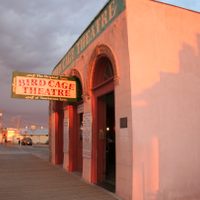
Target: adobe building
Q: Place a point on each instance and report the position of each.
(135, 127)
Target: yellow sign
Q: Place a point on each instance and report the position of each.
(43, 87)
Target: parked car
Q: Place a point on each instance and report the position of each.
(26, 141)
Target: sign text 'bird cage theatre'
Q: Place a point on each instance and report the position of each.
(43, 87)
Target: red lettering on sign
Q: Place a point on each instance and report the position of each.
(51, 83)
(48, 92)
(53, 91)
(40, 90)
(57, 84)
(25, 90)
(21, 82)
(71, 86)
(42, 82)
(34, 82)
(64, 85)
(67, 93)
(60, 93)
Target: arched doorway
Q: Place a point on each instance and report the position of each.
(103, 144)
(68, 141)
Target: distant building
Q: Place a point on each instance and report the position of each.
(134, 128)
(2, 135)
(12, 134)
(9, 135)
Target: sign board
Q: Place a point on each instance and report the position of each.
(43, 87)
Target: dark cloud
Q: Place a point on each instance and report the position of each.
(34, 35)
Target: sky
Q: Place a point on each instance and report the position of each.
(34, 36)
(189, 4)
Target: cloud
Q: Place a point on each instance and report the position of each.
(34, 35)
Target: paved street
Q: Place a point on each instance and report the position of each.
(26, 174)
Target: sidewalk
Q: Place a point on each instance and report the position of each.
(26, 177)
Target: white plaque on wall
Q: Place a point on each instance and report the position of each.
(87, 135)
(66, 132)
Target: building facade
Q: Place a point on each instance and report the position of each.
(134, 128)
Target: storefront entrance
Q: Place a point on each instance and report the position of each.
(104, 165)
(106, 142)
(79, 144)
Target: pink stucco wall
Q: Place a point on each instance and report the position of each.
(164, 49)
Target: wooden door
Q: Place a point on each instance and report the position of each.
(79, 142)
(101, 139)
